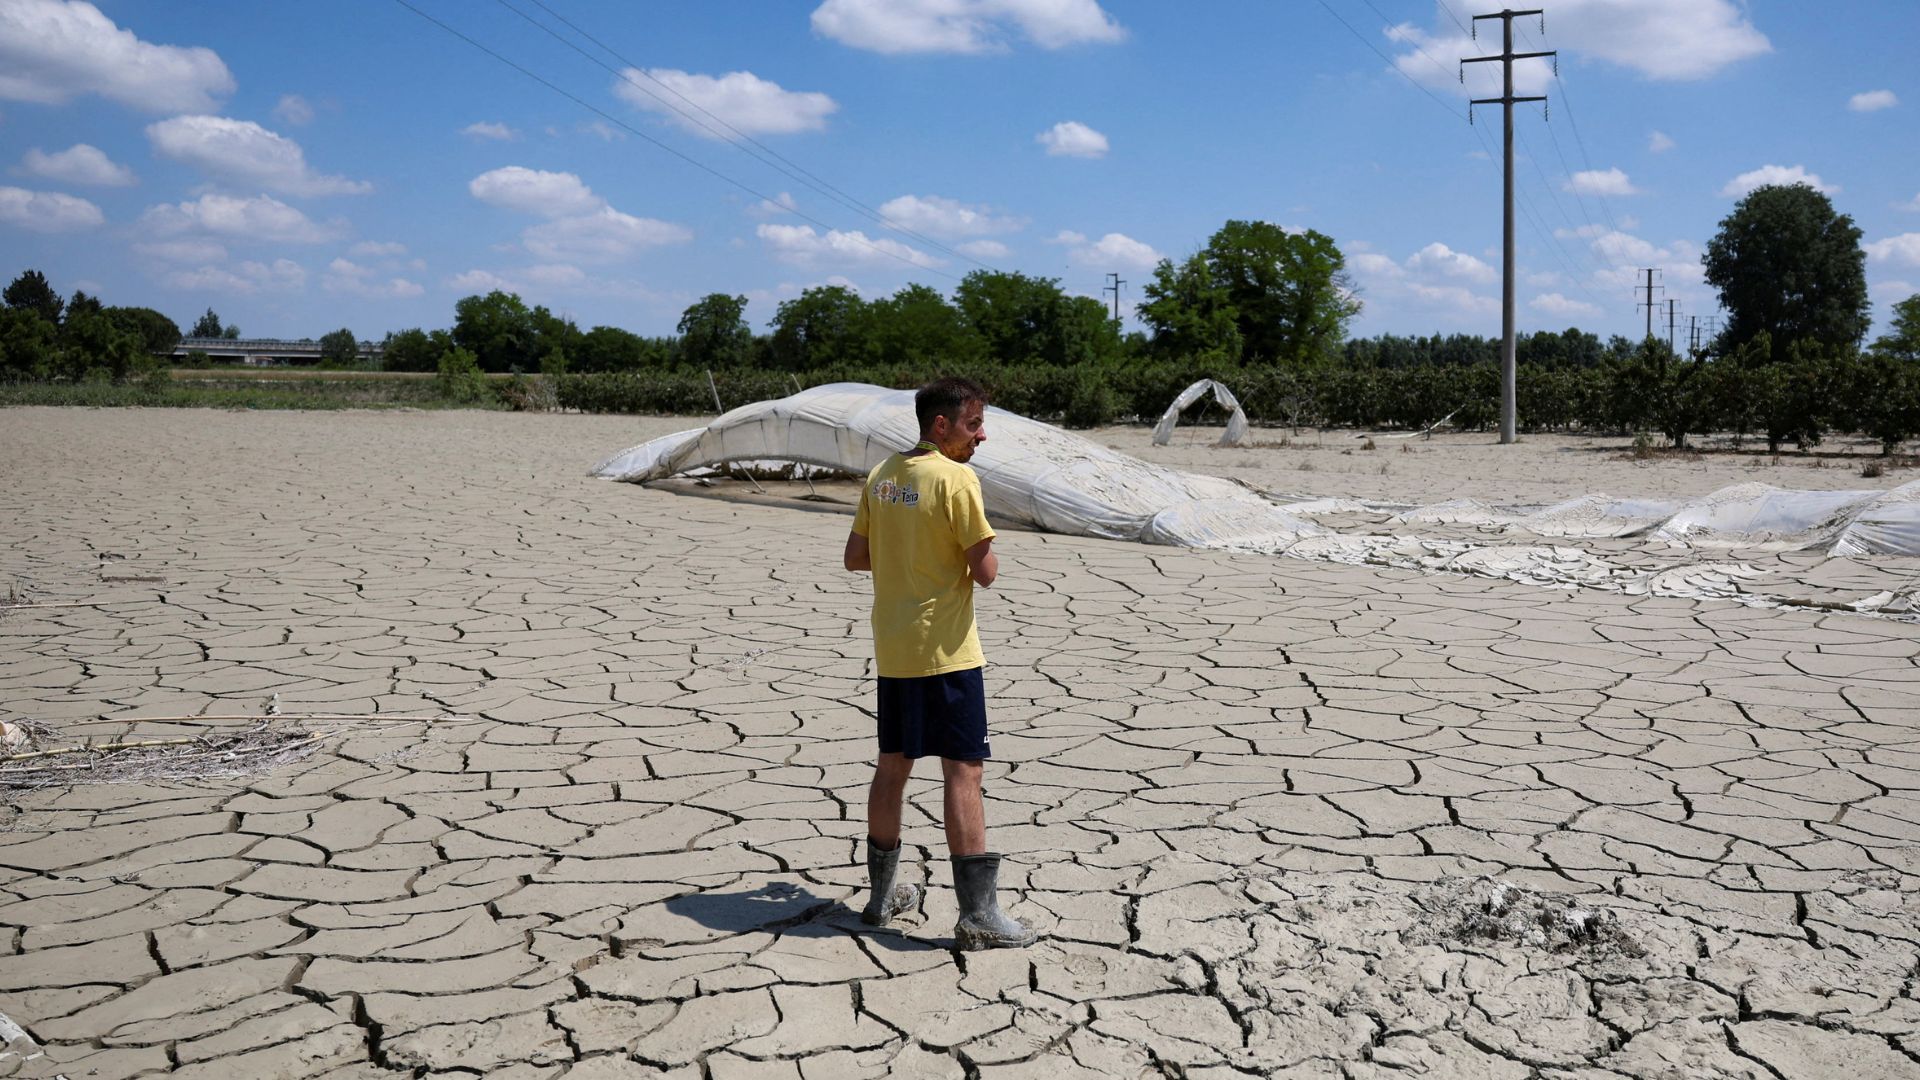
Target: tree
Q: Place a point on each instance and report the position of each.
(1190, 314)
(1288, 292)
(414, 350)
(206, 326)
(552, 334)
(80, 303)
(92, 345)
(26, 344)
(1023, 319)
(714, 332)
(459, 377)
(822, 327)
(609, 348)
(340, 348)
(1902, 339)
(498, 330)
(231, 332)
(1785, 262)
(917, 327)
(30, 290)
(158, 334)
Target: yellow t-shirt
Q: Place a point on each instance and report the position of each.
(920, 514)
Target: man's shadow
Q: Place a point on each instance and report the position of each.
(790, 910)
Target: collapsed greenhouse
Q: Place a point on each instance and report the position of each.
(1037, 475)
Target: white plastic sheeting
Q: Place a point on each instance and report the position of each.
(1038, 475)
(1030, 473)
(1236, 433)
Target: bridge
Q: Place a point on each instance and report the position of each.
(264, 351)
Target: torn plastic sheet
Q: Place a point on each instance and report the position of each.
(1037, 475)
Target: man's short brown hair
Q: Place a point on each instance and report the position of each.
(946, 397)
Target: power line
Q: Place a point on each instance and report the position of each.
(1457, 114)
(630, 129)
(778, 162)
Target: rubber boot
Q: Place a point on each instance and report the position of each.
(888, 899)
(982, 925)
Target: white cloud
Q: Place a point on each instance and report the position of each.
(184, 250)
(51, 51)
(801, 246)
(1555, 304)
(581, 226)
(1659, 142)
(963, 26)
(243, 150)
(1740, 185)
(1902, 250)
(487, 129)
(1910, 204)
(557, 280)
(282, 275)
(1872, 101)
(376, 249)
(533, 191)
(262, 218)
(1655, 38)
(293, 109)
(782, 203)
(1071, 138)
(47, 211)
(602, 130)
(1461, 300)
(1439, 259)
(605, 235)
(77, 164)
(481, 281)
(1374, 264)
(936, 215)
(1114, 251)
(353, 279)
(743, 100)
(985, 249)
(1600, 182)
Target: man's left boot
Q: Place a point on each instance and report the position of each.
(888, 898)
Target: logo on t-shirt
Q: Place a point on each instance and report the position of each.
(887, 491)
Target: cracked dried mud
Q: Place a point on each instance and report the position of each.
(1271, 817)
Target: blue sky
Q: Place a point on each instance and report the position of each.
(301, 167)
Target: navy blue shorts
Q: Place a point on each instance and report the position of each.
(935, 716)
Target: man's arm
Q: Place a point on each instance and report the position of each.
(858, 556)
(982, 564)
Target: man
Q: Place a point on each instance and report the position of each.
(922, 531)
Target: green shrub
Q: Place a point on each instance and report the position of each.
(460, 379)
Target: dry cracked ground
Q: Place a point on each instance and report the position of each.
(1273, 818)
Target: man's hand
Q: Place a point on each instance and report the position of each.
(858, 556)
(982, 564)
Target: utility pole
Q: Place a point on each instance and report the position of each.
(1507, 101)
(1672, 306)
(1693, 335)
(1115, 290)
(1648, 302)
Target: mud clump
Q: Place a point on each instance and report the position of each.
(1489, 910)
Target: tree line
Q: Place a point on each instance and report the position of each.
(1261, 308)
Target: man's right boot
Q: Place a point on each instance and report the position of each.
(982, 925)
(888, 899)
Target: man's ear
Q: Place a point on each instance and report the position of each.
(940, 427)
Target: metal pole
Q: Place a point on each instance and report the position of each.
(1506, 101)
(1507, 365)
